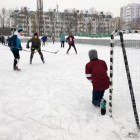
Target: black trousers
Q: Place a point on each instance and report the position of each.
(3, 42)
(40, 53)
(73, 47)
(43, 44)
(16, 57)
(62, 44)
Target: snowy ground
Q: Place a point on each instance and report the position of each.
(52, 101)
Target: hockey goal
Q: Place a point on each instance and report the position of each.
(124, 98)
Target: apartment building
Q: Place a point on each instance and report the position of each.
(130, 15)
(55, 23)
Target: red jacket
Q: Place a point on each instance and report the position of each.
(96, 72)
(70, 40)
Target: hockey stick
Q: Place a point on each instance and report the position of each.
(25, 50)
(51, 52)
(43, 51)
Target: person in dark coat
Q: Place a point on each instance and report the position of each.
(70, 40)
(36, 46)
(3, 40)
(96, 73)
(53, 39)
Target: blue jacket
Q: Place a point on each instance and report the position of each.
(62, 38)
(15, 40)
(44, 39)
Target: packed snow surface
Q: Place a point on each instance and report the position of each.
(52, 101)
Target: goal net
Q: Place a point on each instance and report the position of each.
(124, 104)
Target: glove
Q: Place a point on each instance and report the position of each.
(27, 46)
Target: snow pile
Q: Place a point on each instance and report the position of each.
(77, 37)
(52, 101)
(131, 36)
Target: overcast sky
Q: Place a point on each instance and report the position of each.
(100, 5)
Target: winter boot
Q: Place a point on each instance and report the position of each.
(103, 106)
(43, 61)
(16, 68)
(30, 61)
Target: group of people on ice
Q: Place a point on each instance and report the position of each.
(95, 70)
(4, 40)
(44, 40)
(15, 45)
(69, 39)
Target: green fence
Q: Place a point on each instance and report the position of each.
(97, 34)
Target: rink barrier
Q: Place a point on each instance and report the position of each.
(99, 42)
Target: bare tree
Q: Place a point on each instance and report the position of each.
(40, 21)
(81, 21)
(93, 19)
(3, 17)
(108, 20)
(52, 22)
(75, 19)
(69, 20)
(25, 19)
(34, 23)
(5, 21)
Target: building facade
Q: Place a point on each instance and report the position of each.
(130, 15)
(55, 23)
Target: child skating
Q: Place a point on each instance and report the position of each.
(15, 46)
(36, 46)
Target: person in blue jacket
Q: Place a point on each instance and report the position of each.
(44, 40)
(62, 39)
(15, 47)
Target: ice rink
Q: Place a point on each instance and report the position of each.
(52, 101)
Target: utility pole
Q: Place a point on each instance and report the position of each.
(40, 17)
(57, 7)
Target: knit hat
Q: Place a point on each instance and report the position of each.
(20, 30)
(35, 34)
(93, 54)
